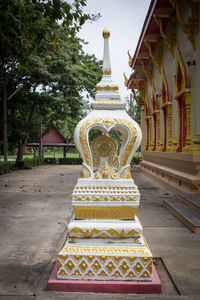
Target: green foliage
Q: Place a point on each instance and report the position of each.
(44, 70)
(32, 162)
(133, 108)
(136, 160)
(5, 167)
(70, 161)
(28, 162)
(50, 160)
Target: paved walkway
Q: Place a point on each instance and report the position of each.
(35, 207)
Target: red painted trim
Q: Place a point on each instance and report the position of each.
(147, 123)
(144, 30)
(180, 105)
(122, 287)
(164, 149)
(155, 129)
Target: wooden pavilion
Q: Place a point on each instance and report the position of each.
(53, 138)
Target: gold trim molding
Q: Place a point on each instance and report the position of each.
(105, 212)
(106, 72)
(99, 88)
(105, 233)
(157, 59)
(169, 39)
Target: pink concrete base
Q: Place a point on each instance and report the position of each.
(123, 287)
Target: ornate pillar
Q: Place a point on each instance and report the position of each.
(169, 115)
(150, 134)
(158, 130)
(146, 135)
(187, 147)
(105, 240)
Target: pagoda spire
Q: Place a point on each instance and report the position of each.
(106, 55)
(107, 93)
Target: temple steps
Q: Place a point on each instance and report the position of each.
(191, 200)
(187, 209)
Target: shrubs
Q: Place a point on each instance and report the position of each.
(136, 160)
(28, 162)
(50, 160)
(5, 167)
(32, 162)
(70, 161)
(63, 161)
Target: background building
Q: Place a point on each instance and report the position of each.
(166, 72)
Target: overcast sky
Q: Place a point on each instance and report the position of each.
(125, 19)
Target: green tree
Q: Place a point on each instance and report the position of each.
(53, 88)
(133, 109)
(30, 34)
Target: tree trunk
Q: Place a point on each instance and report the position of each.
(21, 147)
(41, 147)
(5, 125)
(20, 151)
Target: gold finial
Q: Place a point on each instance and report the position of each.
(130, 58)
(125, 79)
(106, 33)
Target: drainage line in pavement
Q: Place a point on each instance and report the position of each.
(174, 284)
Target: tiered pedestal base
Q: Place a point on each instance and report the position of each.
(123, 287)
(107, 261)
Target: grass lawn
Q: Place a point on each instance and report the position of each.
(58, 154)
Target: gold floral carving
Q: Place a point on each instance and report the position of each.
(106, 249)
(106, 198)
(108, 122)
(104, 146)
(85, 173)
(95, 265)
(126, 174)
(105, 212)
(105, 172)
(107, 233)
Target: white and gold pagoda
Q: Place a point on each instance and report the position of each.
(104, 240)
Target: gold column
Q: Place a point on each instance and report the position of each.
(188, 122)
(158, 131)
(169, 127)
(146, 136)
(150, 129)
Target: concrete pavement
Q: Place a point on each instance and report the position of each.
(35, 207)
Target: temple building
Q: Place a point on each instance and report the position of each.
(166, 73)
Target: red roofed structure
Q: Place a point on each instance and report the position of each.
(52, 138)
